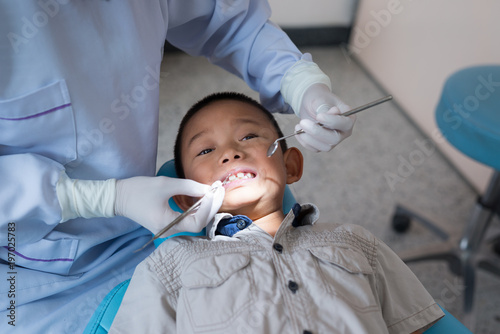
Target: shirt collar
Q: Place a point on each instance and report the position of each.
(299, 215)
(212, 226)
(231, 226)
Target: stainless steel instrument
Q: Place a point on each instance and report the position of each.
(274, 146)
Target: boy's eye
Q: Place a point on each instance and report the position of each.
(205, 151)
(249, 136)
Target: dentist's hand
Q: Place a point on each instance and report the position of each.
(308, 91)
(145, 200)
(321, 105)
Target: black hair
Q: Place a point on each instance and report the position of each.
(207, 101)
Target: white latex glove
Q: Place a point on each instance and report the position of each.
(145, 200)
(320, 105)
(308, 91)
(142, 199)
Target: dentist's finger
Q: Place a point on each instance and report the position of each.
(336, 122)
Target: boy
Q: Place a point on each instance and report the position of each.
(257, 270)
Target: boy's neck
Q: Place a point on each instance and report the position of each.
(271, 222)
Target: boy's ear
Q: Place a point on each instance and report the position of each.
(294, 163)
(184, 202)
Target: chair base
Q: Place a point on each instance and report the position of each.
(462, 254)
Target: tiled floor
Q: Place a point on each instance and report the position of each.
(360, 181)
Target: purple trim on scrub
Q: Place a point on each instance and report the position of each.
(32, 259)
(39, 114)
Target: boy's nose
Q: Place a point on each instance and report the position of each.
(231, 153)
(227, 158)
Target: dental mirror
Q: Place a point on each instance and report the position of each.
(274, 146)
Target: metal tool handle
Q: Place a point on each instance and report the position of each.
(366, 106)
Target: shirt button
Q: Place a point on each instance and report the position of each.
(293, 286)
(241, 224)
(278, 248)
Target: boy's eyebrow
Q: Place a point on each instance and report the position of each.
(199, 134)
(248, 120)
(239, 120)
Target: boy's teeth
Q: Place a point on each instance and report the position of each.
(238, 176)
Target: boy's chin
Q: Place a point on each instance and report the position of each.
(249, 207)
(239, 205)
(236, 208)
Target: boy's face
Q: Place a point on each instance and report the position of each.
(228, 141)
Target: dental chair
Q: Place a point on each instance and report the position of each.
(468, 115)
(103, 317)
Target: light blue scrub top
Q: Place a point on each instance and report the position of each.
(79, 91)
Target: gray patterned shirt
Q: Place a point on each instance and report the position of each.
(309, 278)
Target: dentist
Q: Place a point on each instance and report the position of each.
(79, 96)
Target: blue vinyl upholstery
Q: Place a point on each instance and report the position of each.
(468, 113)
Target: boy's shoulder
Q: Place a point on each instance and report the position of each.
(333, 241)
(311, 228)
(339, 233)
(350, 228)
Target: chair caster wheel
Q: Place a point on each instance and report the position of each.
(400, 222)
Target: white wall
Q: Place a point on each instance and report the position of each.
(312, 13)
(411, 47)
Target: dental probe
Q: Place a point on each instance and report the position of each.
(274, 146)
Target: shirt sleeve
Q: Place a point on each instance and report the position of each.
(147, 306)
(406, 304)
(28, 198)
(237, 36)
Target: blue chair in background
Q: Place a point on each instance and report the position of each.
(103, 317)
(468, 115)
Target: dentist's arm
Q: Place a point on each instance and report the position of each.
(258, 51)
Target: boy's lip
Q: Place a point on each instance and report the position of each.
(244, 170)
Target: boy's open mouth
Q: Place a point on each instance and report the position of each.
(237, 176)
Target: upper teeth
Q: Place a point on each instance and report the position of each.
(238, 176)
